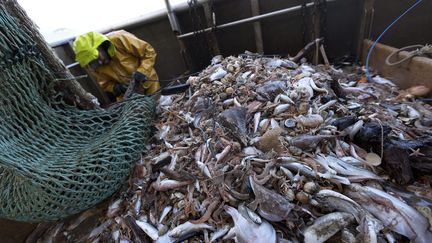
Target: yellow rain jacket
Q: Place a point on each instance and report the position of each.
(128, 54)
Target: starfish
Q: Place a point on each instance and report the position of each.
(416, 152)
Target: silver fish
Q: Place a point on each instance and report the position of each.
(393, 213)
(338, 201)
(281, 108)
(188, 227)
(369, 228)
(149, 229)
(346, 169)
(302, 168)
(326, 226)
(219, 233)
(257, 118)
(246, 231)
(272, 206)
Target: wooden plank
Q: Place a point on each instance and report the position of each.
(417, 71)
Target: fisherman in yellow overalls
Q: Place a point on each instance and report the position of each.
(115, 58)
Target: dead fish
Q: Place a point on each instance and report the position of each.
(97, 231)
(411, 112)
(264, 124)
(275, 63)
(338, 201)
(271, 89)
(346, 169)
(188, 227)
(272, 206)
(326, 105)
(149, 229)
(136, 199)
(304, 86)
(354, 129)
(334, 177)
(286, 99)
(50, 235)
(218, 74)
(302, 168)
(248, 214)
(257, 117)
(326, 226)
(347, 236)
(219, 233)
(222, 155)
(281, 108)
(313, 120)
(246, 231)
(274, 124)
(380, 80)
(168, 184)
(114, 208)
(369, 228)
(393, 213)
(164, 213)
(234, 120)
(305, 141)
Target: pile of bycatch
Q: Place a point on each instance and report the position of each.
(267, 150)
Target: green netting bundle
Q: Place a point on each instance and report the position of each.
(57, 160)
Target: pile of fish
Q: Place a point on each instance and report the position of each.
(267, 150)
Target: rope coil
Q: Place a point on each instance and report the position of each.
(419, 51)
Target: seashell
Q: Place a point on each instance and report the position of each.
(281, 108)
(373, 159)
(270, 141)
(229, 90)
(311, 187)
(290, 123)
(302, 197)
(313, 120)
(230, 68)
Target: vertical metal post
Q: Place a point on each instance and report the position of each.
(365, 24)
(175, 26)
(211, 22)
(257, 27)
(316, 17)
(172, 18)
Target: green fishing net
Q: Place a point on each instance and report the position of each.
(57, 160)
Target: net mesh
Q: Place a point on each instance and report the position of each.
(57, 160)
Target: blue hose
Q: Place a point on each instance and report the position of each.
(368, 75)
